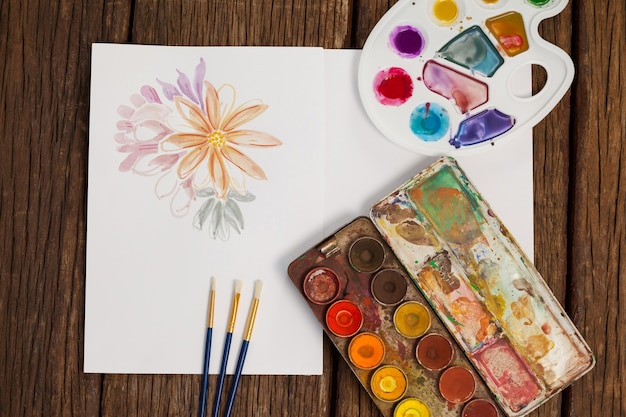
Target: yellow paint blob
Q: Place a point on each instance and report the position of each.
(445, 11)
(411, 407)
(388, 383)
(412, 319)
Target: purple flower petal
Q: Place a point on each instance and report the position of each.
(169, 90)
(199, 80)
(150, 94)
(185, 86)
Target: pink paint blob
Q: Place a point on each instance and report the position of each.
(509, 373)
(393, 86)
(464, 91)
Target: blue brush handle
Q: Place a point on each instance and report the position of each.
(233, 389)
(205, 370)
(220, 381)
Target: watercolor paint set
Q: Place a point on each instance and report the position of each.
(436, 309)
(441, 77)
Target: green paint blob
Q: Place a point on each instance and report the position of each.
(538, 2)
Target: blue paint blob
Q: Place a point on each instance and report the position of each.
(429, 122)
(407, 41)
(481, 127)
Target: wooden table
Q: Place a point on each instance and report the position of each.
(45, 46)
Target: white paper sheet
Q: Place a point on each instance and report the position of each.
(148, 271)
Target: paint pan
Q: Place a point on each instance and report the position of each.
(439, 76)
(321, 285)
(456, 304)
(389, 287)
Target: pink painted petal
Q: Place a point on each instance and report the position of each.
(151, 111)
(212, 105)
(125, 125)
(219, 175)
(137, 100)
(150, 94)
(241, 115)
(180, 203)
(151, 131)
(192, 114)
(125, 111)
(120, 137)
(243, 162)
(191, 160)
(152, 166)
(252, 138)
(179, 141)
(165, 185)
(128, 163)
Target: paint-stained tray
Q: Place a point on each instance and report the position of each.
(442, 77)
(434, 242)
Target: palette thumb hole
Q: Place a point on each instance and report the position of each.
(435, 307)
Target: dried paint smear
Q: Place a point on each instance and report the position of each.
(483, 286)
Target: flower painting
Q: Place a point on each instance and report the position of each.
(192, 137)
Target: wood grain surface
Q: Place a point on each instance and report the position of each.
(45, 47)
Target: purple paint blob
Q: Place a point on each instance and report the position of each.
(393, 86)
(407, 41)
(481, 127)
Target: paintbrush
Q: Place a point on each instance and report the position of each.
(244, 347)
(207, 348)
(229, 336)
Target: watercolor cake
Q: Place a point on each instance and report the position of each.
(441, 77)
(436, 309)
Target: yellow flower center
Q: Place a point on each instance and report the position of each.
(217, 139)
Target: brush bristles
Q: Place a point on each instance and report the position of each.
(213, 284)
(258, 286)
(238, 285)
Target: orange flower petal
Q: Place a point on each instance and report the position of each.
(241, 115)
(212, 105)
(219, 175)
(252, 138)
(191, 160)
(178, 141)
(243, 162)
(192, 114)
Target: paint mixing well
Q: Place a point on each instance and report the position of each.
(435, 308)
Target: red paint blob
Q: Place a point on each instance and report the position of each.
(344, 318)
(457, 384)
(393, 86)
(480, 408)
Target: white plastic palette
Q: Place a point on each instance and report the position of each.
(441, 77)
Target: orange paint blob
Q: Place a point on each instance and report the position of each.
(366, 350)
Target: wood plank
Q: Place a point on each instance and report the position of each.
(251, 23)
(597, 288)
(551, 181)
(44, 81)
